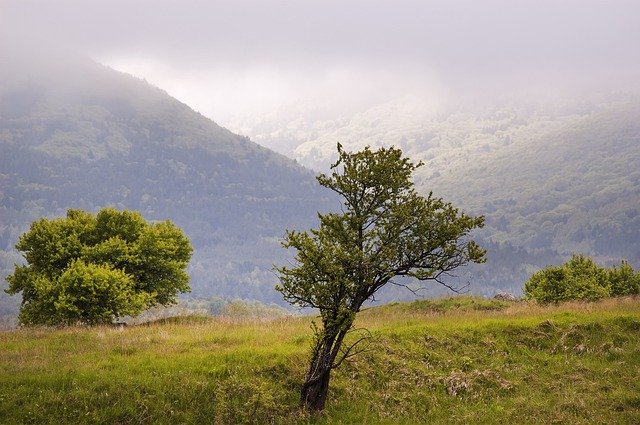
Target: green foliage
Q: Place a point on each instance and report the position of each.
(581, 279)
(623, 280)
(92, 269)
(386, 230)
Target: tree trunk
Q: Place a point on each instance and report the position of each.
(314, 392)
(316, 386)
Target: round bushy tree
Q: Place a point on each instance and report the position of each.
(581, 279)
(90, 269)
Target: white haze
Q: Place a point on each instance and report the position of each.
(240, 62)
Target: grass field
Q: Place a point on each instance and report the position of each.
(459, 360)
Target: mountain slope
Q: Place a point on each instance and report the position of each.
(555, 174)
(572, 186)
(75, 134)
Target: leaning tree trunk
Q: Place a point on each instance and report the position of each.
(314, 391)
(316, 386)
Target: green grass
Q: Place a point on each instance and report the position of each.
(461, 360)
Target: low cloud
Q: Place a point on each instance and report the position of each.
(253, 55)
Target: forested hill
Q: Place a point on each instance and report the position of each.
(568, 183)
(556, 173)
(75, 134)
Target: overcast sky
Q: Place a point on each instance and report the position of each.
(240, 57)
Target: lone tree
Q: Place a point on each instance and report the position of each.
(385, 230)
(86, 269)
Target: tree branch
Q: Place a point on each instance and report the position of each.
(346, 354)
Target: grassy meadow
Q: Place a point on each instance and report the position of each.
(456, 360)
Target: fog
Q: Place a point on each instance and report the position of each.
(239, 59)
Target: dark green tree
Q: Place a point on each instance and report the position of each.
(86, 269)
(385, 230)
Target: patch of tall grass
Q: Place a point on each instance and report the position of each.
(460, 360)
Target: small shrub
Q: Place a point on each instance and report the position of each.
(623, 280)
(581, 279)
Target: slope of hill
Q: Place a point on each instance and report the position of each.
(449, 361)
(560, 174)
(75, 134)
(572, 185)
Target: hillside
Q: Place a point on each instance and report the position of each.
(569, 184)
(459, 360)
(552, 178)
(554, 174)
(75, 134)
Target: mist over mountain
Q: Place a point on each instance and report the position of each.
(554, 173)
(76, 134)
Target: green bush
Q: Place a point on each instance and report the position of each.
(623, 280)
(581, 279)
(91, 269)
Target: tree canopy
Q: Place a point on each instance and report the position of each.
(93, 269)
(385, 230)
